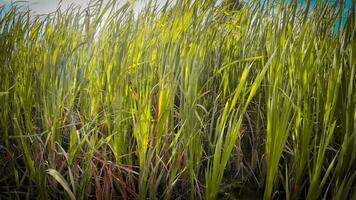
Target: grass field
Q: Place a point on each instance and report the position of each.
(185, 100)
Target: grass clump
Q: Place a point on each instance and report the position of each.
(183, 100)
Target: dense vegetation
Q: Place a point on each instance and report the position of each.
(185, 100)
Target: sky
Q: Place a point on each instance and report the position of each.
(47, 6)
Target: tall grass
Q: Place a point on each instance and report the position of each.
(184, 100)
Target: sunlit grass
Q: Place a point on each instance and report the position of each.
(184, 100)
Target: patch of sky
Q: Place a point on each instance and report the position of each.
(347, 4)
(48, 6)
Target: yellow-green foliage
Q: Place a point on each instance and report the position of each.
(183, 100)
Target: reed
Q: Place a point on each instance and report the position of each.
(188, 99)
